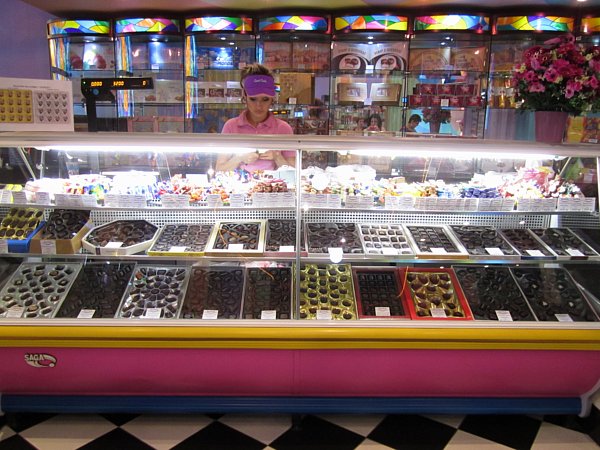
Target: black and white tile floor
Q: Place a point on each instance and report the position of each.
(320, 432)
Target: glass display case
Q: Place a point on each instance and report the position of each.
(84, 48)
(447, 79)
(369, 62)
(461, 271)
(296, 48)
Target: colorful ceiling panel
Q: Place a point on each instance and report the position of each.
(535, 23)
(590, 25)
(210, 24)
(298, 23)
(78, 27)
(147, 25)
(378, 22)
(452, 22)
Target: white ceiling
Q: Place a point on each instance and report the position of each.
(113, 8)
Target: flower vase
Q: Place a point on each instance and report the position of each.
(434, 126)
(550, 126)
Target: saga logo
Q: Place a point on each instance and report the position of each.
(40, 360)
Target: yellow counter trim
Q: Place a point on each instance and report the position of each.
(299, 338)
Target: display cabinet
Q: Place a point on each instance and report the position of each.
(293, 278)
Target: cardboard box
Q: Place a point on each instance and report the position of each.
(297, 86)
(63, 246)
(385, 93)
(351, 93)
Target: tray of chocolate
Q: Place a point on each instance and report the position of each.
(484, 242)
(181, 240)
(268, 293)
(327, 292)
(378, 293)
(493, 294)
(385, 239)
(240, 238)
(37, 289)
(154, 293)
(435, 242)
(565, 243)
(553, 295)
(434, 294)
(97, 291)
(281, 237)
(320, 237)
(64, 224)
(19, 225)
(121, 237)
(214, 293)
(527, 244)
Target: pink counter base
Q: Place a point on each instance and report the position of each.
(238, 372)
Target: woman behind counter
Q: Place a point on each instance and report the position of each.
(258, 94)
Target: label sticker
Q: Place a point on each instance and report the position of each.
(152, 313)
(3, 246)
(438, 250)
(176, 249)
(19, 197)
(534, 253)
(236, 200)
(235, 247)
(495, 251)
(113, 245)
(270, 314)
(504, 316)
(438, 313)
(86, 314)
(48, 247)
(287, 248)
(15, 312)
(324, 314)
(574, 252)
(563, 317)
(336, 254)
(210, 314)
(382, 311)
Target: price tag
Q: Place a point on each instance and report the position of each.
(353, 201)
(19, 197)
(438, 250)
(113, 245)
(268, 315)
(89, 200)
(568, 204)
(496, 204)
(210, 314)
(42, 198)
(48, 246)
(112, 200)
(334, 201)
(525, 204)
(470, 204)
(589, 204)
(86, 314)
(324, 314)
(287, 249)
(382, 311)
(175, 201)
(389, 251)
(534, 253)
(260, 200)
(152, 313)
(438, 313)
(444, 102)
(406, 202)
(391, 202)
(6, 196)
(15, 312)
(288, 199)
(563, 317)
(236, 200)
(235, 247)
(336, 254)
(292, 100)
(214, 200)
(3, 246)
(366, 201)
(508, 204)
(495, 251)
(504, 316)
(574, 252)
(176, 249)
(133, 201)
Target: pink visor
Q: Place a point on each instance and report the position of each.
(259, 84)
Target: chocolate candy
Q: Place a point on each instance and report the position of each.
(191, 236)
(128, 232)
(327, 287)
(268, 289)
(492, 289)
(433, 240)
(20, 223)
(476, 239)
(564, 242)
(99, 287)
(281, 233)
(433, 290)
(37, 287)
(155, 292)
(378, 288)
(246, 234)
(214, 288)
(551, 292)
(64, 224)
(377, 237)
(322, 236)
(526, 244)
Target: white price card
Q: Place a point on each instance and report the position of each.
(438, 250)
(177, 249)
(175, 201)
(210, 314)
(494, 251)
(261, 200)
(438, 313)
(389, 251)
(334, 201)
(113, 244)
(288, 199)
(563, 317)
(48, 246)
(353, 201)
(6, 196)
(236, 200)
(366, 201)
(42, 198)
(152, 313)
(504, 316)
(320, 201)
(235, 247)
(3, 246)
(534, 253)
(19, 197)
(406, 202)
(270, 314)
(588, 204)
(133, 201)
(15, 312)
(214, 200)
(112, 200)
(392, 202)
(575, 252)
(89, 200)
(86, 314)
(382, 311)
(336, 254)
(287, 248)
(292, 100)
(444, 102)
(324, 314)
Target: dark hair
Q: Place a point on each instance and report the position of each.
(415, 118)
(377, 117)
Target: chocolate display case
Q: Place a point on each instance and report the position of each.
(321, 237)
(181, 240)
(120, 237)
(527, 244)
(484, 242)
(435, 242)
(385, 239)
(379, 293)
(244, 237)
(281, 238)
(268, 293)
(565, 244)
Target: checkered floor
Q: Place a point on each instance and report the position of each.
(280, 432)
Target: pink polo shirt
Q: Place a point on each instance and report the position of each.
(272, 125)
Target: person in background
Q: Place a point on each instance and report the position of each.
(412, 124)
(258, 94)
(375, 123)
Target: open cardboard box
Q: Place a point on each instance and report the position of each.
(63, 246)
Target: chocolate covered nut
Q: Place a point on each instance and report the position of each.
(322, 236)
(338, 297)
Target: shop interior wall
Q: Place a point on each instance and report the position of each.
(23, 42)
